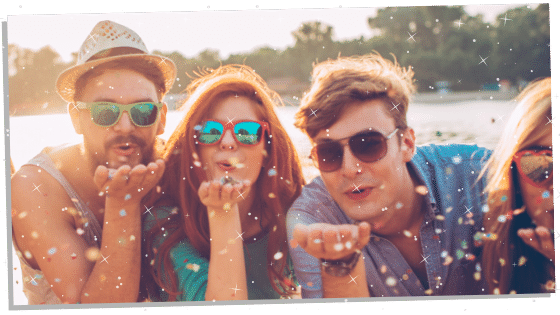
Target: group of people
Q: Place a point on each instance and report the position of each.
(221, 210)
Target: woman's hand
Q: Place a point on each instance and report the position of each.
(540, 238)
(219, 199)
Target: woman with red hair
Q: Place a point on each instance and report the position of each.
(218, 230)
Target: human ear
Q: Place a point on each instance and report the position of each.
(408, 144)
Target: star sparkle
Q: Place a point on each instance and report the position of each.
(483, 60)
(313, 112)
(505, 19)
(148, 210)
(353, 279)
(411, 36)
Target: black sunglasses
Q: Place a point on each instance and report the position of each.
(368, 146)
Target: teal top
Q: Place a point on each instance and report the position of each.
(192, 269)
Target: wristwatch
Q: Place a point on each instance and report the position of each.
(340, 268)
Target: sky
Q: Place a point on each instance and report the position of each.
(226, 29)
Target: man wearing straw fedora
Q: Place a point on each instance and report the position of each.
(76, 209)
(386, 217)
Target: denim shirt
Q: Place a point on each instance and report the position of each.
(450, 244)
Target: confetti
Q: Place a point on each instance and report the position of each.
(52, 251)
(80, 231)
(231, 241)
(73, 256)
(278, 255)
(502, 262)
(391, 282)
(28, 254)
(405, 277)
(272, 172)
(448, 170)
(227, 206)
(22, 215)
(383, 269)
(34, 235)
(440, 217)
(222, 252)
(457, 159)
(448, 260)
(485, 209)
(57, 280)
(310, 284)
(407, 233)
(429, 292)
(399, 205)
(271, 196)
(338, 247)
(522, 260)
(546, 194)
(448, 209)
(127, 197)
(502, 218)
(550, 285)
(132, 238)
(193, 267)
(477, 276)
(348, 245)
(92, 253)
(197, 163)
(496, 291)
(122, 213)
(422, 190)
(233, 161)
(438, 231)
(504, 198)
(459, 254)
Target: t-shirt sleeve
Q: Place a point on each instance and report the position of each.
(191, 270)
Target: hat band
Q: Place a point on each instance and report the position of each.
(117, 51)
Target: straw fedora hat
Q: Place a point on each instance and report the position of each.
(110, 41)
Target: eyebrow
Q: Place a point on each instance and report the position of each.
(328, 139)
(110, 100)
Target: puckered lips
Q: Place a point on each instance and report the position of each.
(226, 166)
(359, 193)
(124, 149)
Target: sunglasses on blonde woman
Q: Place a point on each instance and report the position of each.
(535, 166)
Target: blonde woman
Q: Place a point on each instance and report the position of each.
(518, 255)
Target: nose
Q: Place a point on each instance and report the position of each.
(124, 124)
(350, 164)
(228, 141)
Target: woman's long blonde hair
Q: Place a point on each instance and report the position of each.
(528, 123)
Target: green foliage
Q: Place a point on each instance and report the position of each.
(440, 43)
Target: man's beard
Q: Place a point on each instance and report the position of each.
(98, 158)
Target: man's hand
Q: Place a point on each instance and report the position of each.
(128, 184)
(221, 198)
(332, 242)
(540, 238)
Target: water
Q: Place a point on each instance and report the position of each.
(465, 122)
